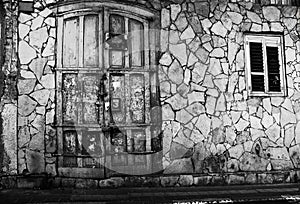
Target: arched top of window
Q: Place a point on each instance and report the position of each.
(123, 8)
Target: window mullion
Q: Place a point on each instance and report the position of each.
(281, 70)
(127, 64)
(146, 47)
(266, 84)
(100, 41)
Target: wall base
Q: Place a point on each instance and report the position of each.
(44, 181)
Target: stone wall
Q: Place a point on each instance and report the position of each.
(36, 88)
(211, 125)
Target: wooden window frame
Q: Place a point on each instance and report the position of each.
(265, 39)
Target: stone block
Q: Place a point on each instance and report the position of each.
(202, 180)
(169, 181)
(186, 180)
(35, 161)
(235, 179)
(251, 178)
(180, 166)
(112, 182)
(86, 183)
(26, 52)
(68, 182)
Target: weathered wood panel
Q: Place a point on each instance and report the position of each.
(136, 42)
(69, 96)
(71, 42)
(90, 91)
(91, 50)
(117, 104)
(137, 98)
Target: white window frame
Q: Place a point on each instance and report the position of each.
(273, 40)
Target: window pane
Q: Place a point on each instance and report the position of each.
(116, 58)
(91, 143)
(117, 30)
(273, 69)
(91, 40)
(139, 138)
(257, 82)
(136, 42)
(69, 95)
(137, 100)
(70, 49)
(90, 90)
(70, 148)
(256, 57)
(117, 88)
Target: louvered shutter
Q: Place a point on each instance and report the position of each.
(273, 69)
(257, 67)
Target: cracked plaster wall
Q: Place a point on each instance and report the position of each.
(210, 124)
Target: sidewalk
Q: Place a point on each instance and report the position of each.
(276, 193)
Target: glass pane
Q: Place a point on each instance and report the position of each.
(116, 58)
(70, 148)
(69, 98)
(136, 42)
(117, 25)
(117, 104)
(70, 41)
(257, 82)
(70, 142)
(116, 30)
(118, 138)
(90, 90)
(139, 137)
(137, 98)
(91, 143)
(91, 40)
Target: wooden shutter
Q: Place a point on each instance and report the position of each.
(257, 66)
(273, 69)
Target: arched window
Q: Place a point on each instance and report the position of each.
(108, 112)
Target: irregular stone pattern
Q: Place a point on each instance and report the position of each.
(229, 131)
(36, 136)
(210, 124)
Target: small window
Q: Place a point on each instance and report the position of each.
(265, 67)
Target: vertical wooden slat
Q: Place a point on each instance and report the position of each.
(60, 25)
(146, 46)
(106, 32)
(79, 138)
(101, 40)
(126, 38)
(137, 98)
(81, 39)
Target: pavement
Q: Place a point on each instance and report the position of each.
(271, 193)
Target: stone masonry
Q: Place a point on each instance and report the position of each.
(210, 123)
(211, 126)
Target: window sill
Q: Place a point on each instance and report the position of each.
(262, 94)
